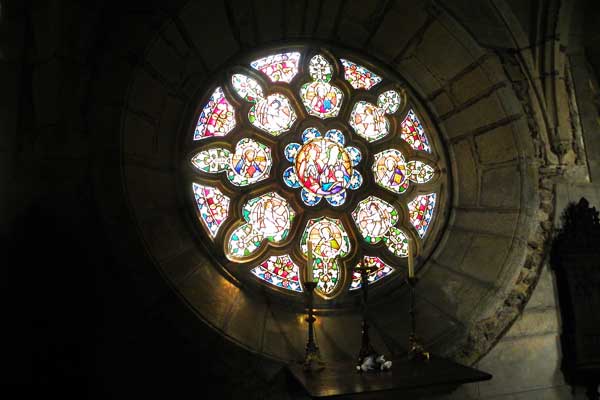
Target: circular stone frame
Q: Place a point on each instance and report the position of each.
(238, 273)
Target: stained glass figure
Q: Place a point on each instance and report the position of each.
(397, 242)
(267, 217)
(278, 67)
(213, 206)
(322, 167)
(279, 271)
(413, 133)
(320, 98)
(217, 117)
(420, 211)
(391, 171)
(358, 76)
(273, 114)
(250, 163)
(374, 218)
(369, 121)
(382, 271)
(329, 242)
(419, 172)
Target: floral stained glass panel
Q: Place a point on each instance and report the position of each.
(358, 76)
(217, 117)
(420, 210)
(382, 271)
(413, 133)
(213, 206)
(278, 67)
(279, 271)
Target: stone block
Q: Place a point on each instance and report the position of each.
(147, 94)
(165, 235)
(139, 136)
(477, 116)
(168, 130)
(501, 187)
(285, 334)
(172, 35)
(497, 145)
(311, 16)
(269, 20)
(151, 192)
(113, 80)
(453, 250)
(181, 266)
(210, 294)
(442, 103)
(355, 21)
(392, 36)
(535, 323)
(486, 221)
(294, 11)
(246, 320)
(418, 76)
(166, 60)
(470, 85)
(456, 295)
(523, 364)
(328, 16)
(455, 56)
(544, 294)
(486, 257)
(202, 24)
(466, 173)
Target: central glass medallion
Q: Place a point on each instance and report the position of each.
(322, 167)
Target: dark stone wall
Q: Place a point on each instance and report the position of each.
(93, 93)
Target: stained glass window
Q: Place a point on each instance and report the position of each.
(358, 76)
(278, 67)
(273, 114)
(321, 149)
(266, 217)
(382, 271)
(391, 171)
(320, 98)
(280, 271)
(250, 163)
(420, 210)
(413, 133)
(217, 117)
(329, 241)
(213, 206)
(322, 167)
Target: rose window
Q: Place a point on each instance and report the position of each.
(312, 149)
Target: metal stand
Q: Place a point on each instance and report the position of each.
(416, 350)
(312, 358)
(365, 348)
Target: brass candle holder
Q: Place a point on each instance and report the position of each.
(312, 356)
(416, 350)
(366, 348)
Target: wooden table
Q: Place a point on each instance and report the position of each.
(438, 375)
